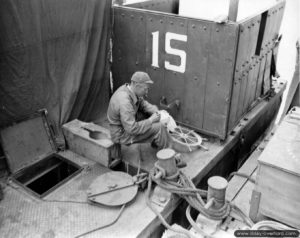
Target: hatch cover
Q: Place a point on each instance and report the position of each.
(27, 141)
(112, 189)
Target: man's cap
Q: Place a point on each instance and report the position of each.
(141, 77)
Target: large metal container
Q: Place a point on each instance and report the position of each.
(215, 71)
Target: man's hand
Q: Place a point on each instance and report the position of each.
(155, 117)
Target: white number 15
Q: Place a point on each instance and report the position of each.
(169, 50)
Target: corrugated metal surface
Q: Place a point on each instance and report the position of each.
(252, 70)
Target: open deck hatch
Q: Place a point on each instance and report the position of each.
(32, 156)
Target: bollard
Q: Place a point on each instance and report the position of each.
(166, 160)
(216, 189)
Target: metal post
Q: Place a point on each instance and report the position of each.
(166, 160)
(233, 10)
(216, 190)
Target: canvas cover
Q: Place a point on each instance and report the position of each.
(54, 55)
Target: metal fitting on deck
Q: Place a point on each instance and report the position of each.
(167, 162)
(216, 190)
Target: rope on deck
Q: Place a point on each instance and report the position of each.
(185, 188)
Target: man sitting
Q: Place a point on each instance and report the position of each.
(134, 120)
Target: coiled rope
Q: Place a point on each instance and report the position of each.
(183, 186)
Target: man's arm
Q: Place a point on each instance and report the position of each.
(131, 126)
(148, 107)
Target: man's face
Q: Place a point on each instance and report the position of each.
(142, 89)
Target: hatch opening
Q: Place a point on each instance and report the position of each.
(46, 175)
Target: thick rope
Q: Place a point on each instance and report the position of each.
(163, 221)
(186, 189)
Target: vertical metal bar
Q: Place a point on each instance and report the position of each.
(233, 10)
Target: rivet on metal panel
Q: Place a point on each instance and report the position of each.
(217, 30)
(258, 21)
(132, 16)
(193, 26)
(249, 27)
(218, 83)
(204, 28)
(181, 24)
(171, 22)
(161, 21)
(136, 62)
(253, 24)
(237, 70)
(123, 15)
(174, 73)
(150, 19)
(141, 18)
(195, 78)
(247, 61)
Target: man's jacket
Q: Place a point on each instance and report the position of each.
(122, 114)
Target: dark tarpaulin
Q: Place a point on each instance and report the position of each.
(54, 55)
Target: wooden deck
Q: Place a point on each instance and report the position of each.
(22, 215)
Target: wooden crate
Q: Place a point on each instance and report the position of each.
(278, 178)
(216, 71)
(103, 151)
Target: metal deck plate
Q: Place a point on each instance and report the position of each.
(109, 186)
